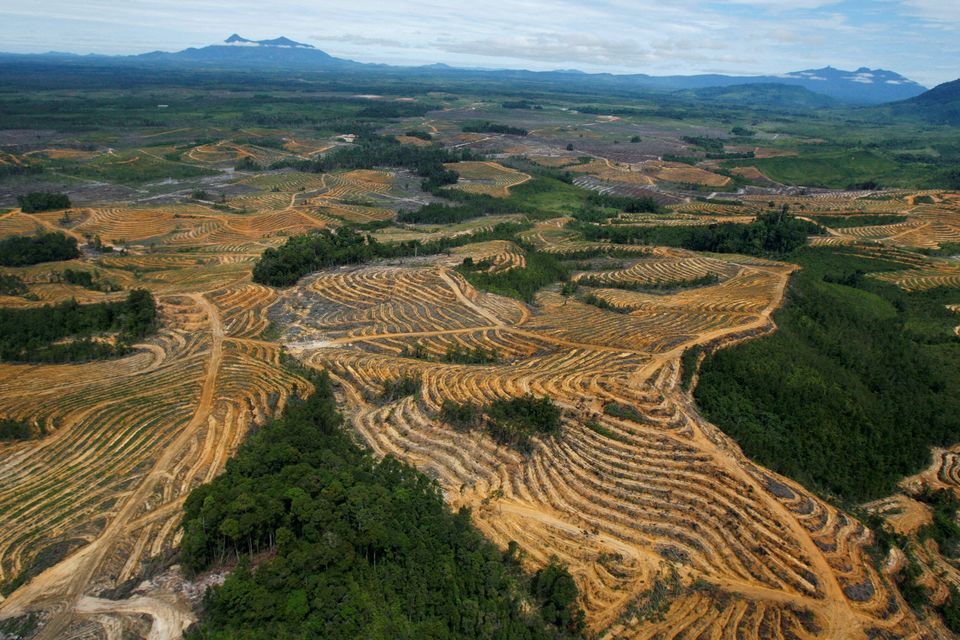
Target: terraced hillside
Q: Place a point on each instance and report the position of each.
(639, 493)
(669, 530)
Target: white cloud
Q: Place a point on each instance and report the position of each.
(622, 36)
(941, 11)
(786, 4)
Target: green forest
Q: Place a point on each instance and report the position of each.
(39, 334)
(330, 543)
(42, 201)
(372, 150)
(511, 422)
(773, 233)
(540, 270)
(302, 254)
(21, 251)
(14, 430)
(852, 390)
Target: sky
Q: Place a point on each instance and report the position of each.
(917, 38)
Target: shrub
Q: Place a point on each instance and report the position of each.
(14, 430)
(400, 388)
(11, 285)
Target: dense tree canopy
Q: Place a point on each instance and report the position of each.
(42, 201)
(773, 233)
(522, 283)
(62, 332)
(358, 548)
(853, 389)
(512, 422)
(14, 430)
(494, 127)
(12, 285)
(627, 204)
(20, 251)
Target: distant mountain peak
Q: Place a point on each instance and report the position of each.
(282, 41)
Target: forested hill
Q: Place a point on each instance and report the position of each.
(940, 105)
(852, 390)
(357, 548)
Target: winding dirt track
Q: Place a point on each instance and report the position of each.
(64, 585)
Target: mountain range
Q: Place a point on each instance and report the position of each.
(863, 86)
(940, 105)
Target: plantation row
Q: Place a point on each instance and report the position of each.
(181, 405)
(613, 497)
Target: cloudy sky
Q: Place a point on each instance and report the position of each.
(918, 38)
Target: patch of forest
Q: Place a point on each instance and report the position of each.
(12, 285)
(355, 548)
(66, 332)
(839, 222)
(302, 254)
(544, 196)
(650, 285)
(11, 429)
(493, 127)
(371, 151)
(852, 390)
(511, 422)
(521, 283)
(42, 201)
(772, 233)
(22, 251)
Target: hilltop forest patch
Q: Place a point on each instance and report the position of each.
(68, 332)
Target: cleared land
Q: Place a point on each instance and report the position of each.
(668, 528)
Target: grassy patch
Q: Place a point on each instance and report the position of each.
(623, 412)
(832, 169)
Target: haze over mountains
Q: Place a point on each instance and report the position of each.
(863, 86)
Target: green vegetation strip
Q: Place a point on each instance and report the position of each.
(511, 422)
(656, 285)
(839, 222)
(523, 283)
(42, 201)
(14, 430)
(772, 233)
(303, 254)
